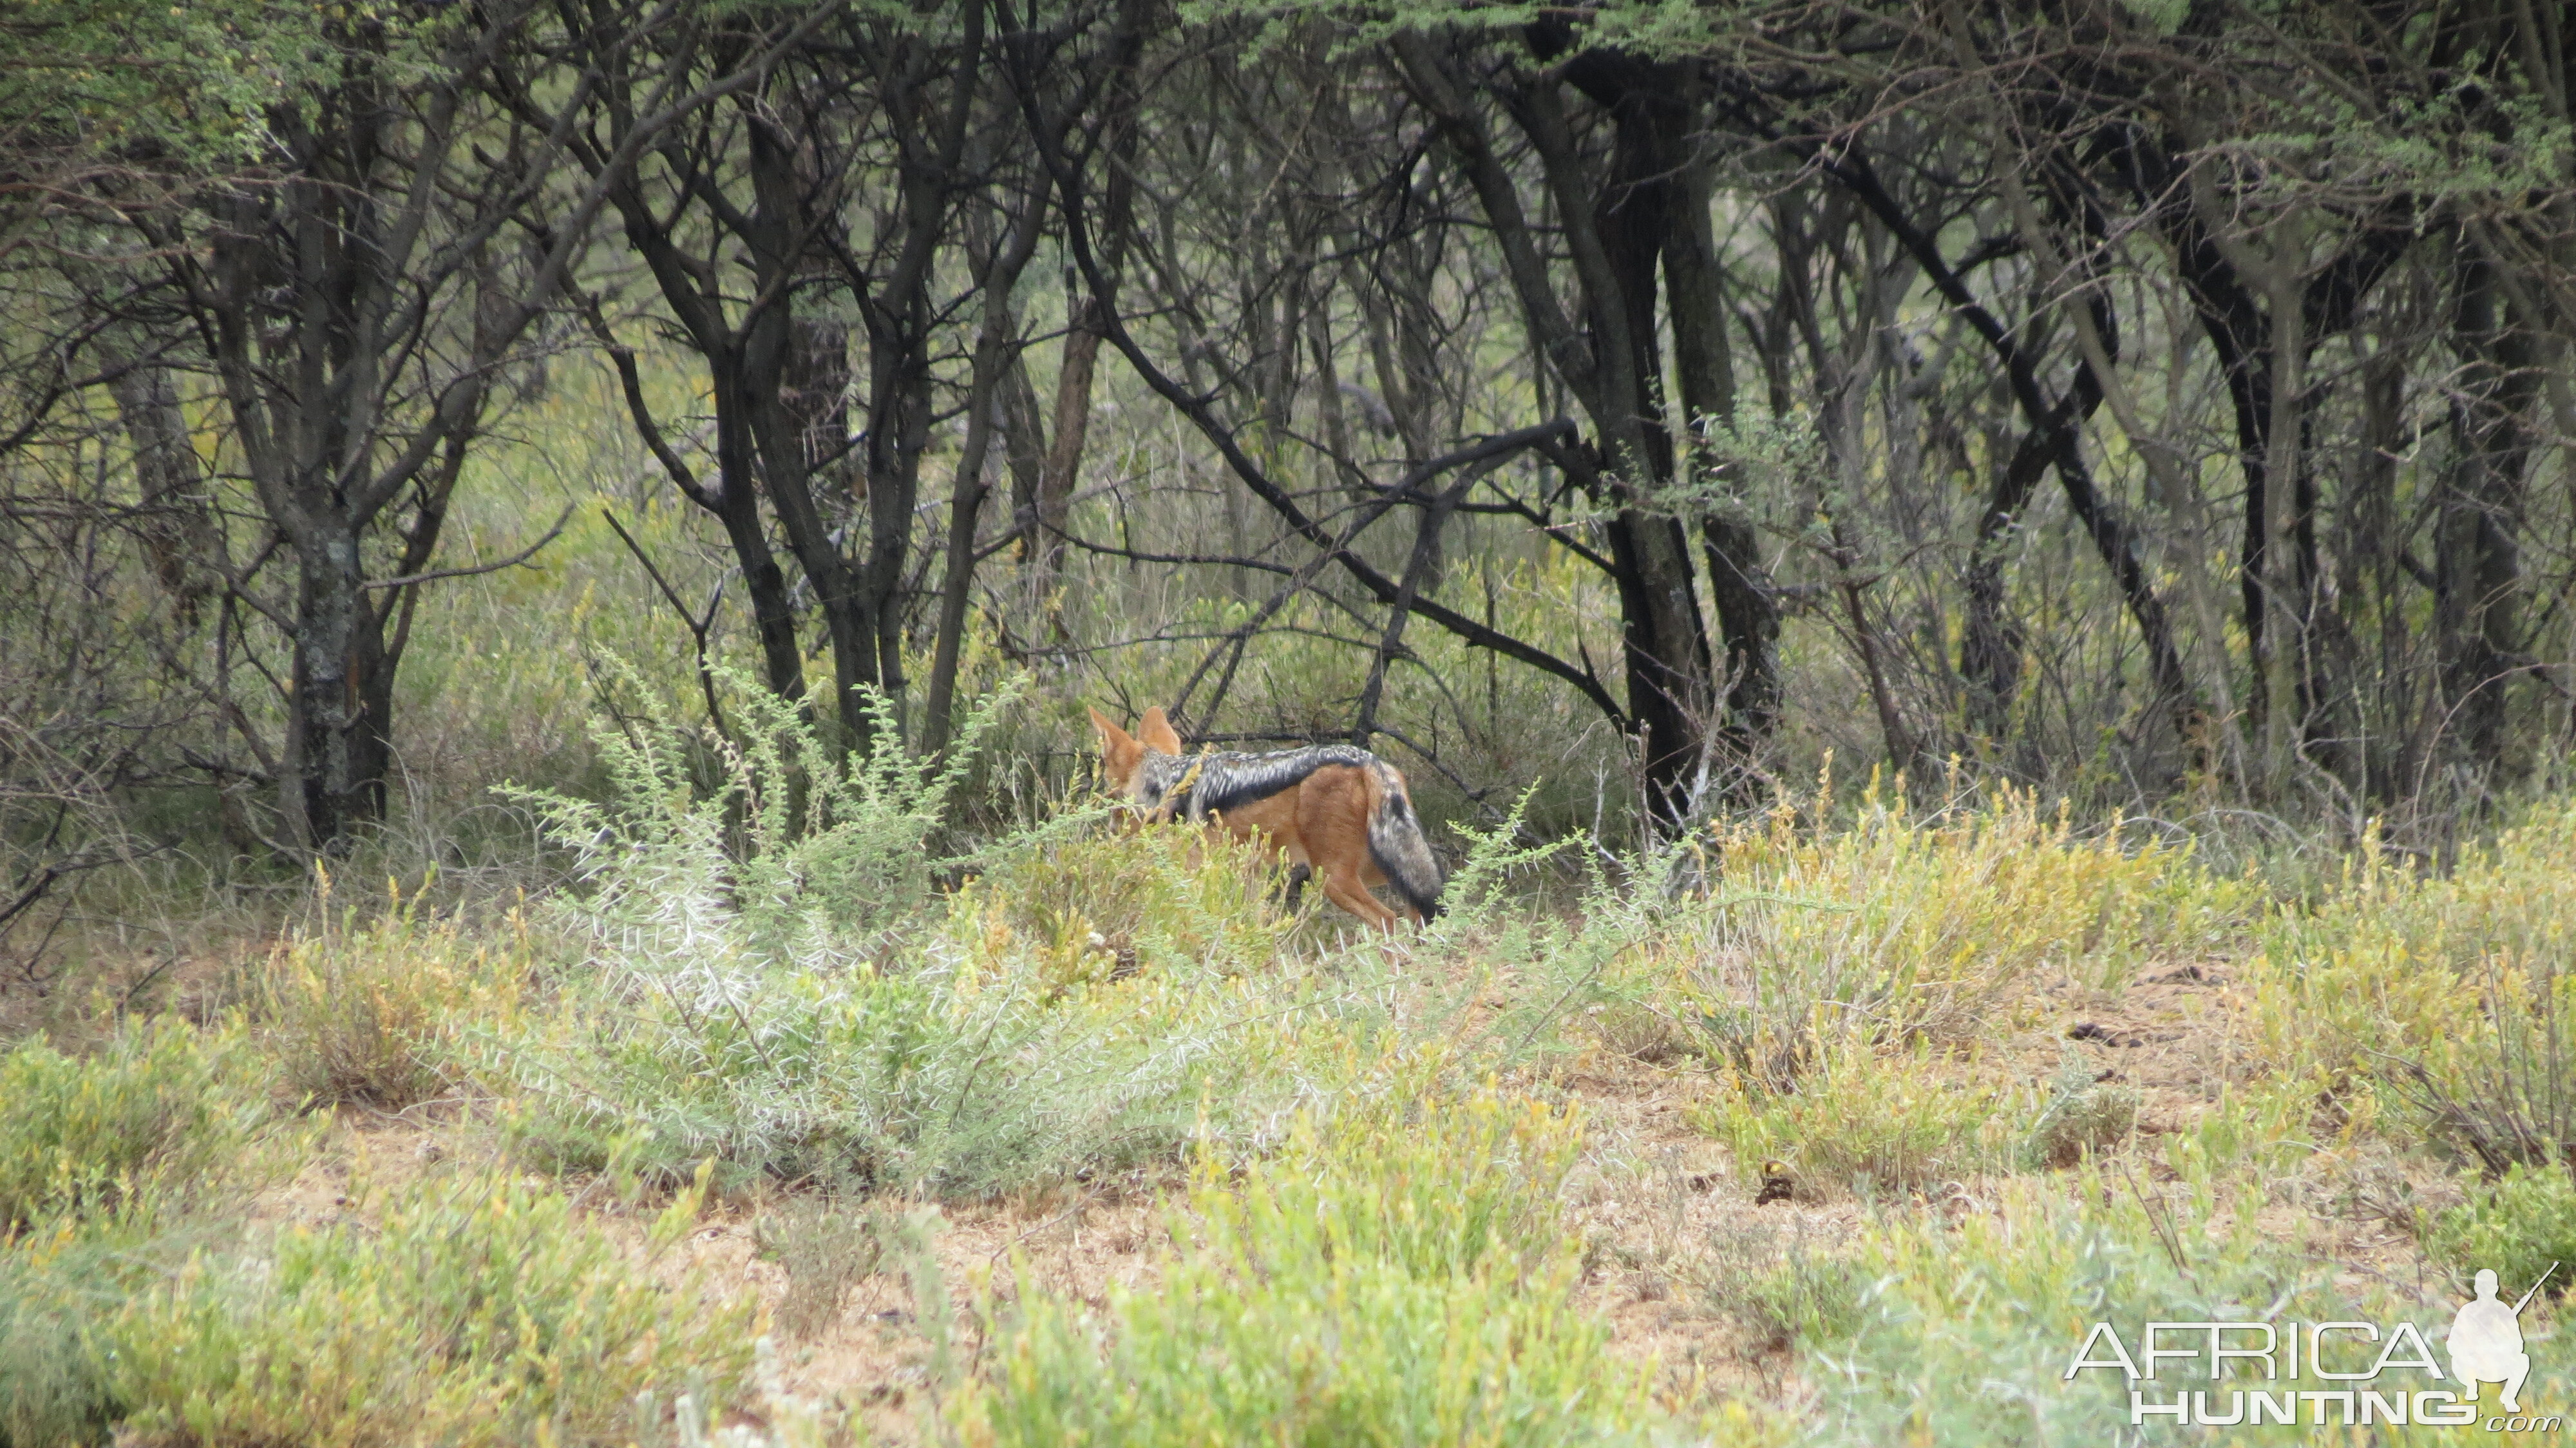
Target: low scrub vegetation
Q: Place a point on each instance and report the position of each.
(1891, 926)
(1845, 1122)
(748, 995)
(113, 1165)
(368, 1008)
(1961, 1332)
(1859, 1121)
(1393, 1275)
(155, 1112)
(2441, 998)
(466, 1310)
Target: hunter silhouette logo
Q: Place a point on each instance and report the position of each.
(2325, 1374)
(2486, 1341)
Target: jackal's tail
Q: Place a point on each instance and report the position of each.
(1396, 843)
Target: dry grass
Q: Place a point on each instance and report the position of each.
(371, 1013)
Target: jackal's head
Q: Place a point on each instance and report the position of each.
(1122, 753)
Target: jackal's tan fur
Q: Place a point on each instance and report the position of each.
(1343, 813)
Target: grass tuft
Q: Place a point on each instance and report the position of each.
(372, 1013)
(1901, 928)
(2442, 1000)
(826, 1247)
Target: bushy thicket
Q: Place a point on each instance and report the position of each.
(766, 977)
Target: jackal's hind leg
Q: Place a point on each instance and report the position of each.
(1344, 888)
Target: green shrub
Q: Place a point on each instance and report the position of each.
(961, 1078)
(1791, 1289)
(802, 851)
(1396, 1278)
(53, 1389)
(1865, 1121)
(737, 1004)
(110, 1164)
(157, 1111)
(2443, 998)
(475, 1311)
(2082, 1116)
(2519, 1226)
(1962, 1331)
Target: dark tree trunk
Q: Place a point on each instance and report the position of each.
(733, 496)
(177, 531)
(2479, 519)
(2373, 557)
(1641, 221)
(780, 390)
(1991, 644)
(1748, 611)
(2246, 340)
(735, 500)
(336, 748)
(1024, 444)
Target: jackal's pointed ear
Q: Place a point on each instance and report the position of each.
(1157, 732)
(1119, 751)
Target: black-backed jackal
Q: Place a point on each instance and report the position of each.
(1343, 813)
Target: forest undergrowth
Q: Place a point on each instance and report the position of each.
(792, 1116)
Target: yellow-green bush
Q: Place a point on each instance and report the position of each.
(1395, 1277)
(109, 1163)
(1866, 1121)
(476, 1310)
(2444, 996)
(153, 1112)
(369, 1012)
(53, 1390)
(1897, 927)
